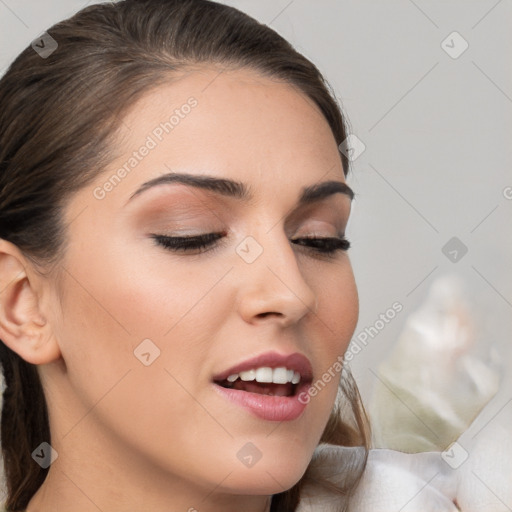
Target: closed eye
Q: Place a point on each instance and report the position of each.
(207, 241)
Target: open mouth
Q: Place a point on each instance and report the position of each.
(264, 381)
(261, 388)
(268, 386)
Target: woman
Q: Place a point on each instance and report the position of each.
(173, 267)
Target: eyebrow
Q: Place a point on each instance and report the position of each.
(238, 190)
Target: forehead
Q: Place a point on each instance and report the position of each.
(240, 120)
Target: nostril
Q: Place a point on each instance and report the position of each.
(264, 315)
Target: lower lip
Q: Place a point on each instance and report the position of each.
(267, 407)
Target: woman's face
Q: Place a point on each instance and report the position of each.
(149, 334)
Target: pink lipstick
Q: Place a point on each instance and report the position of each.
(268, 386)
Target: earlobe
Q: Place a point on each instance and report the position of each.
(23, 327)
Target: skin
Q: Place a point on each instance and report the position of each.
(135, 437)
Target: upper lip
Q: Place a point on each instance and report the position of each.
(295, 361)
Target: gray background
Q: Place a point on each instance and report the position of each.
(436, 162)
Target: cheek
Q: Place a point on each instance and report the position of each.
(338, 316)
(118, 301)
(338, 308)
(118, 309)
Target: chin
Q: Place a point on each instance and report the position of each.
(278, 473)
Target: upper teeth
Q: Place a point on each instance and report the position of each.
(266, 374)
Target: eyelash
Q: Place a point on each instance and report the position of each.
(326, 246)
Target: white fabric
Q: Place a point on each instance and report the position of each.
(421, 482)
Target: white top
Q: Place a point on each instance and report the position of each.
(476, 477)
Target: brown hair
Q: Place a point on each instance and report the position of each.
(58, 117)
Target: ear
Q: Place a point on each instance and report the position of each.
(23, 328)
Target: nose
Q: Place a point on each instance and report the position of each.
(273, 286)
